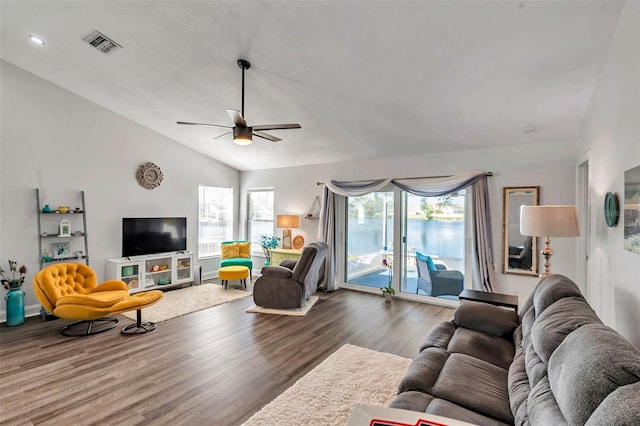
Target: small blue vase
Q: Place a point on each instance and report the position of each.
(15, 307)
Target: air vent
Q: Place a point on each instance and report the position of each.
(101, 42)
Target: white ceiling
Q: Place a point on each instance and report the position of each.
(364, 79)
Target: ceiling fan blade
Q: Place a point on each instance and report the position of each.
(224, 134)
(237, 118)
(277, 126)
(203, 124)
(265, 136)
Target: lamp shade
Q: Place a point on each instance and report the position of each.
(549, 221)
(287, 221)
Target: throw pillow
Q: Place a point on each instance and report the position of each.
(245, 250)
(230, 250)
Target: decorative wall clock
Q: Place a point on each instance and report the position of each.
(611, 209)
(149, 175)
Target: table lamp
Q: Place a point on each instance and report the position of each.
(287, 221)
(548, 221)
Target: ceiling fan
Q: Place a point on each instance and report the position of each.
(243, 134)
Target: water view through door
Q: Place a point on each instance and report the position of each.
(430, 226)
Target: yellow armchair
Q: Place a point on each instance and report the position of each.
(71, 291)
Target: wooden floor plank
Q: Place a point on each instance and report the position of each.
(216, 366)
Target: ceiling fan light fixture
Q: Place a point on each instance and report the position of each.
(242, 135)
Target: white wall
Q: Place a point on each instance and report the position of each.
(550, 166)
(56, 141)
(611, 133)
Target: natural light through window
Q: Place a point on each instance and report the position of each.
(260, 216)
(215, 223)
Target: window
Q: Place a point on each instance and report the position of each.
(260, 216)
(215, 223)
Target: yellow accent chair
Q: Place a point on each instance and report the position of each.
(71, 291)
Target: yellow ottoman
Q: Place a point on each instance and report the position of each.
(227, 273)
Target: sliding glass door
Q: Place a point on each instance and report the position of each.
(369, 239)
(433, 230)
(424, 243)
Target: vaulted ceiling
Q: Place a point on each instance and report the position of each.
(364, 79)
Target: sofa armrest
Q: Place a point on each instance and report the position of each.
(276, 271)
(486, 318)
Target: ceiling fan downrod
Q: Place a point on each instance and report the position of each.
(244, 65)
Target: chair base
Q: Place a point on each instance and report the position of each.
(139, 327)
(70, 330)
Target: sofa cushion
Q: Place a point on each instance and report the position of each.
(486, 318)
(518, 383)
(542, 408)
(591, 363)
(557, 321)
(244, 250)
(439, 336)
(476, 385)
(489, 348)
(620, 407)
(444, 408)
(424, 370)
(230, 250)
(552, 289)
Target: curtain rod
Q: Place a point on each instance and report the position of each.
(425, 177)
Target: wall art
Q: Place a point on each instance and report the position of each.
(632, 210)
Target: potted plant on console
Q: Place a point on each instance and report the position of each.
(388, 291)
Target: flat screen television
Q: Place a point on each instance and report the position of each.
(150, 235)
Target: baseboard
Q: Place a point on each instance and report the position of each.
(29, 311)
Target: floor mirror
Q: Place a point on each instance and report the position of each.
(519, 252)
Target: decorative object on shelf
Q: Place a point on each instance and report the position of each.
(15, 296)
(127, 271)
(77, 210)
(46, 208)
(149, 175)
(64, 229)
(78, 254)
(61, 250)
(63, 209)
(78, 233)
(46, 256)
(133, 284)
(388, 291)
(287, 221)
(549, 221)
(268, 242)
(44, 235)
(298, 242)
(632, 210)
(314, 210)
(611, 209)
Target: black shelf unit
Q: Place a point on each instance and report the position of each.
(48, 237)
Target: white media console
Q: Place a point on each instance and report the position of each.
(153, 271)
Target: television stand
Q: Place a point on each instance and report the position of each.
(152, 272)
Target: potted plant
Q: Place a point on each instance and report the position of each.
(267, 243)
(388, 291)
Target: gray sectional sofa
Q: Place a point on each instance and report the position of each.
(554, 364)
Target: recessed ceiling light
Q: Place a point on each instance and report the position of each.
(36, 40)
(529, 129)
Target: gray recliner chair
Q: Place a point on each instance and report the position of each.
(289, 285)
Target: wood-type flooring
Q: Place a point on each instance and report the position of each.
(213, 367)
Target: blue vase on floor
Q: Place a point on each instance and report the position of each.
(15, 307)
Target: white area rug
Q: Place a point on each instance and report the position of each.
(296, 311)
(183, 301)
(327, 394)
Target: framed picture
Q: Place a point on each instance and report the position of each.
(60, 250)
(632, 210)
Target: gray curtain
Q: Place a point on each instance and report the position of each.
(483, 268)
(327, 233)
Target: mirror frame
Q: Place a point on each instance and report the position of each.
(508, 223)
